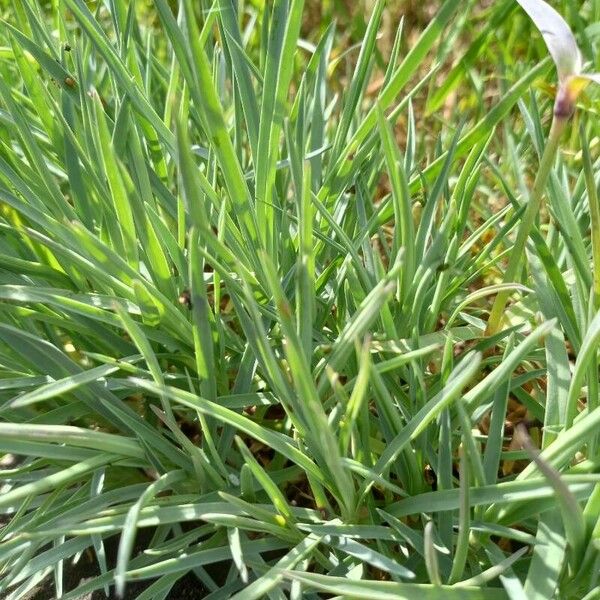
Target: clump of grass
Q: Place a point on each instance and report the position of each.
(239, 315)
(567, 58)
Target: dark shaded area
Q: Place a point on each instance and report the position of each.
(187, 588)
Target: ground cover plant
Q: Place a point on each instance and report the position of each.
(248, 257)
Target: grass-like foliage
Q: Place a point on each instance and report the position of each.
(245, 274)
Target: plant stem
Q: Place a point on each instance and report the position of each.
(594, 216)
(527, 222)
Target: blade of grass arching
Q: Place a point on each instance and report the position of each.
(319, 112)
(402, 203)
(358, 324)
(319, 436)
(145, 348)
(305, 282)
(47, 358)
(87, 250)
(34, 87)
(228, 17)
(19, 266)
(535, 494)
(71, 436)
(426, 220)
(262, 477)
(567, 443)
(444, 469)
(482, 293)
(459, 378)
(343, 240)
(496, 570)
(362, 69)
(174, 321)
(127, 539)
(93, 306)
(594, 209)
(388, 590)
(563, 213)
(369, 556)
(464, 521)
(279, 442)
(97, 543)
(349, 428)
(267, 582)
(553, 294)
(85, 204)
(572, 513)
(33, 238)
(50, 557)
(127, 244)
(337, 529)
(587, 355)
(68, 475)
(557, 387)
(119, 70)
(263, 518)
(283, 36)
(202, 327)
(60, 387)
(141, 197)
(53, 198)
(430, 554)
(548, 557)
(49, 451)
(159, 590)
(476, 395)
(152, 515)
(203, 557)
(216, 129)
(54, 69)
(152, 139)
(78, 507)
(193, 180)
(495, 436)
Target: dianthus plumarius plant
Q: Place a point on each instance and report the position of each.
(567, 58)
(246, 268)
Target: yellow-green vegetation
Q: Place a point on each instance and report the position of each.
(248, 254)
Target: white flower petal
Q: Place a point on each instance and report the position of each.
(595, 77)
(557, 35)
